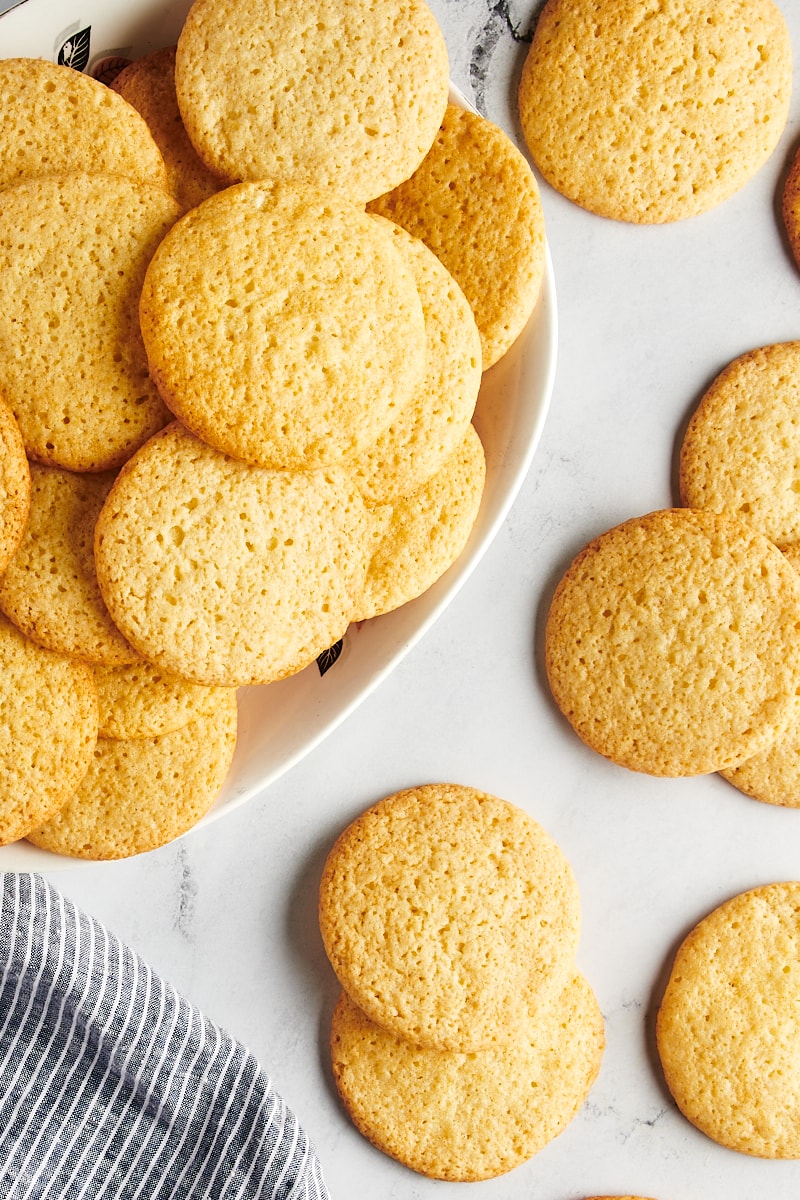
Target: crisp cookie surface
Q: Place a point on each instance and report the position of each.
(467, 1117)
(475, 202)
(351, 100)
(15, 486)
(741, 450)
(57, 120)
(50, 587)
(282, 327)
(227, 574)
(47, 732)
(142, 701)
(427, 531)
(729, 1024)
(73, 252)
(445, 912)
(790, 206)
(672, 643)
(658, 110)
(148, 84)
(141, 793)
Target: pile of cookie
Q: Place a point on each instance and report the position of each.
(235, 406)
(464, 1039)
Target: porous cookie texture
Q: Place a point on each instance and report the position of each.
(346, 95)
(15, 486)
(148, 84)
(141, 793)
(445, 912)
(49, 589)
(654, 111)
(47, 734)
(227, 574)
(429, 427)
(73, 253)
(475, 202)
(728, 1027)
(467, 1117)
(741, 450)
(672, 644)
(790, 206)
(57, 120)
(282, 327)
(426, 532)
(142, 701)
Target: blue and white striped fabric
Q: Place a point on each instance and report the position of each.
(112, 1086)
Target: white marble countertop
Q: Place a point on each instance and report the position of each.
(647, 317)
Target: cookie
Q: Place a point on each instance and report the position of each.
(50, 587)
(475, 202)
(57, 120)
(728, 1028)
(741, 449)
(445, 912)
(139, 794)
(282, 327)
(426, 532)
(790, 206)
(148, 84)
(73, 252)
(347, 95)
(654, 113)
(672, 645)
(226, 574)
(467, 1117)
(142, 701)
(47, 734)
(15, 486)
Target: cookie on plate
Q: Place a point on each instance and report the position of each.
(728, 1028)
(282, 327)
(467, 1117)
(657, 114)
(142, 701)
(141, 793)
(15, 486)
(475, 202)
(445, 913)
(73, 253)
(741, 449)
(47, 734)
(351, 100)
(672, 645)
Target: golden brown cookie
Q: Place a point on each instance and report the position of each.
(729, 1024)
(790, 206)
(653, 113)
(466, 1117)
(475, 202)
(142, 701)
(15, 486)
(445, 913)
(672, 643)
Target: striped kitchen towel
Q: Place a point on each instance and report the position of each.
(113, 1086)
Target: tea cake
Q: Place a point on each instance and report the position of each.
(141, 701)
(15, 486)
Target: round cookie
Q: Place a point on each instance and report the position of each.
(790, 206)
(57, 120)
(672, 643)
(741, 449)
(148, 84)
(227, 574)
(728, 1028)
(15, 486)
(475, 202)
(467, 1117)
(652, 113)
(142, 701)
(445, 913)
(426, 532)
(351, 101)
(50, 588)
(47, 734)
(282, 327)
(139, 794)
(73, 252)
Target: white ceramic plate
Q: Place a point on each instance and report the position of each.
(282, 722)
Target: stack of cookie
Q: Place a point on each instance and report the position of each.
(464, 1039)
